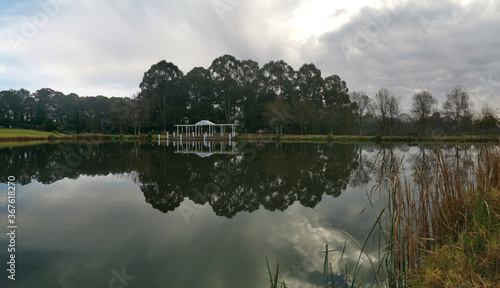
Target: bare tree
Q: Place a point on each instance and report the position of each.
(424, 105)
(139, 107)
(386, 107)
(393, 111)
(119, 113)
(380, 108)
(486, 119)
(363, 106)
(458, 107)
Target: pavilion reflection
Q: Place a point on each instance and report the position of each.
(231, 177)
(203, 148)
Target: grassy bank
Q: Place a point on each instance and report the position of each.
(441, 228)
(287, 138)
(464, 223)
(438, 228)
(24, 135)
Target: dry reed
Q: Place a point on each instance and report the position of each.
(436, 208)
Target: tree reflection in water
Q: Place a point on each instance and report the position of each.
(274, 176)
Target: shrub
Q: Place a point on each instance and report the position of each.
(50, 125)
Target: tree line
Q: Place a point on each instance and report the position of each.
(274, 97)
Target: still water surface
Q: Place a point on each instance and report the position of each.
(149, 215)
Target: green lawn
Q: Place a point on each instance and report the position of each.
(23, 135)
(6, 132)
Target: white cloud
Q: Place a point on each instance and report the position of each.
(92, 47)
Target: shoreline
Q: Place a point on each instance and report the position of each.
(289, 138)
(23, 135)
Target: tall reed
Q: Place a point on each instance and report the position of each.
(434, 208)
(439, 228)
(274, 281)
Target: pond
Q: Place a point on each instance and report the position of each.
(190, 215)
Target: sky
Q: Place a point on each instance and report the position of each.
(91, 47)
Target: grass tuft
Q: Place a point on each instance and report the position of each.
(441, 229)
(274, 280)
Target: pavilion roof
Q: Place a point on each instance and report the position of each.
(204, 123)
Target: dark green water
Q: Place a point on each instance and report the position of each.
(131, 215)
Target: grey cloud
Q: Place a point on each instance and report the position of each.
(404, 46)
(422, 46)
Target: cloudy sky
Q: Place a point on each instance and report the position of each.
(92, 47)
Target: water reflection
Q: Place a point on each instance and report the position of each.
(204, 148)
(76, 231)
(241, 178)
(230, 178)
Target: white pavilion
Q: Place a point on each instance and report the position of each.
(205, 128)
